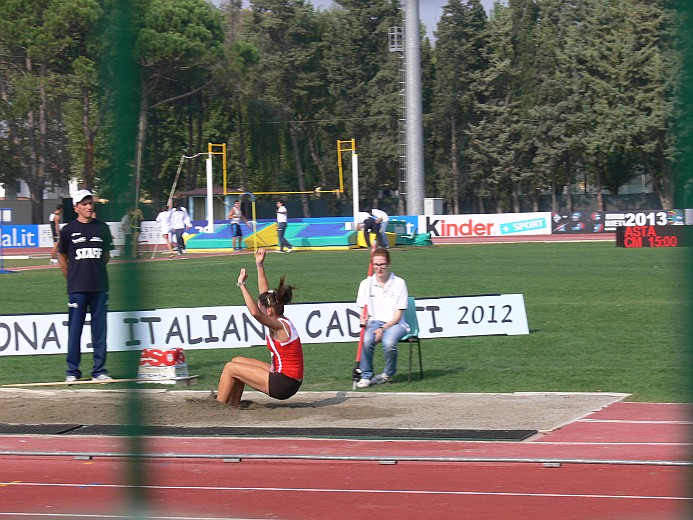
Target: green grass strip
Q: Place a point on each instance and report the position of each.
(601, 318)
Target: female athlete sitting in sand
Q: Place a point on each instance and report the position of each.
(282, 377)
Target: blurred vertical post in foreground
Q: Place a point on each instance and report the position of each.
(120, 79)
(684, 179)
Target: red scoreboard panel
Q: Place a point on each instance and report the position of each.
(654, 236)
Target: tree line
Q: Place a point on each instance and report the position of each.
(535, 97)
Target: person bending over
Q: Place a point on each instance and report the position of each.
(380, 224)
(282, 377)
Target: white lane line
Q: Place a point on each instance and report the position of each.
(632, 421)
(347, 490)
(599, 444)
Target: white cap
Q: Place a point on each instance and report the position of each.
(80, 196)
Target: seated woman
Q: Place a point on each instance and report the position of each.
(282, 377)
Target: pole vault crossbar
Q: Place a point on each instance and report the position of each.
(552, 462)
(294, 192)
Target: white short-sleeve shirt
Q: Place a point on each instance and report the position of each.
(164, 220)
(379, 214)
(361, 216)
(383, 300)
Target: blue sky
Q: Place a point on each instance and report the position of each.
(429, 10)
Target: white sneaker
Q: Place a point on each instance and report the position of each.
(380, 379)
(363, 383)
(54, 261)
(289, 250)
(102, 377)
(71, 379)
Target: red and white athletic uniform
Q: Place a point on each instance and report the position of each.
(287, 357)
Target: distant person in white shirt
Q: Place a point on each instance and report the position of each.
(164, 221)
(381, 219)
(180, 221)
(54, 220)
(127, 233)
(282, 218)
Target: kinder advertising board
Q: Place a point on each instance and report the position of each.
(217, 327)
(495, 225)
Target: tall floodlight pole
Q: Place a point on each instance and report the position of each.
(414, 137)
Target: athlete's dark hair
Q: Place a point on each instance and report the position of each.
(277, 298)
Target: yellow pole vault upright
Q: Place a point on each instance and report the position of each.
(350, 146)
(219, 149)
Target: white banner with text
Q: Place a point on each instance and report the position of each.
(228, 327)
(486, 225)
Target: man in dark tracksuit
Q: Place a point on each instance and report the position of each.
(84, 251)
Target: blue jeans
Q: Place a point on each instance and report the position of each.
(382, 236)
(390, 338)
(370, 226)
(180, 241)
(236, 230)
(283, 242)
(97, 302)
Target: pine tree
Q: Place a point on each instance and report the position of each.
(364, 79)
(461, 37)
(39, 43)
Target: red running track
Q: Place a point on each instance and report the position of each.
(611, 487)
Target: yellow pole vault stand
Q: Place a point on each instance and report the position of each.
(317, 190)
(219, 149)
(266, 237)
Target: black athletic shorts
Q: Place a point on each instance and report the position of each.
(282, 386)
